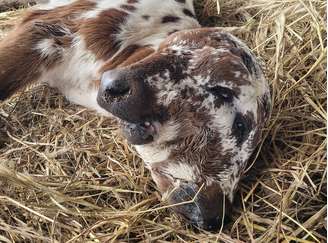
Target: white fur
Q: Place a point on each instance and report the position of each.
(153, 31)
(101, 6)
(50, 4)
(75, 74)
(46, 47)
(152, 154)
(167, 132)
(182, 171)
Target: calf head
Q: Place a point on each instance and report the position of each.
(194, 108)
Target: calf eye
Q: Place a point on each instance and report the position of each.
(222, 93)
(241, 128)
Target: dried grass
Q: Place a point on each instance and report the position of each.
(66, 175)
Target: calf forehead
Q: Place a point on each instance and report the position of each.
(221, 66)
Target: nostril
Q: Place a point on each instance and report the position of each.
(117, 88)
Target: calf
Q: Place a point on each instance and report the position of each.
(192, 100)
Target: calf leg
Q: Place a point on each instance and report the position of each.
(29, 51)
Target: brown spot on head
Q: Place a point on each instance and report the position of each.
(130, 55)
(170, 19)
(132, 1)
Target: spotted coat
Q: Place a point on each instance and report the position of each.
(193, 100)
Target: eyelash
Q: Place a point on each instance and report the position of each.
(240, 128)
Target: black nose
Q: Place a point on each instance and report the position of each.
(207, 211)
(117, 88)
(124, 93)
(113, 85)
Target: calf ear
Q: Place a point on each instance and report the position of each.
(28, 51)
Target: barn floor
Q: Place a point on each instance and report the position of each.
(67, 176)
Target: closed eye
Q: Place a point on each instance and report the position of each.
(222, 93)
(241, 128)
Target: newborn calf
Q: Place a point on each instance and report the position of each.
(192, 100)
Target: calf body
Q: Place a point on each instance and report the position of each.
(66, 43)
(192, 100)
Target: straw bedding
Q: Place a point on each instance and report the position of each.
(66, 175)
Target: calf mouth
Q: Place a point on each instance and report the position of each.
(136, 127)
(140, 133)
(136, 131)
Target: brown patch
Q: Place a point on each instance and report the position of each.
(181, 1)
(247, 59)
(127, 7)
(201, 37)
(170, 19)
(138, 55)
(100, 33)
(128, 56)
(65, 15)
(227, 68)
(219, 67)
(132, 1)
(208, 62)
(22, 64)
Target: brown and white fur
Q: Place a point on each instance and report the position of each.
(192, 100)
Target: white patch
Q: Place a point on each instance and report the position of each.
(229, 178)
(181, 171)
(46, 48)
(152, 154)
(223, 119)
(53, 4)
(155, 152)
(75, 74)
(167, 132)
(237, 74)
(247, 100)
(101, 6)
(152, 31)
